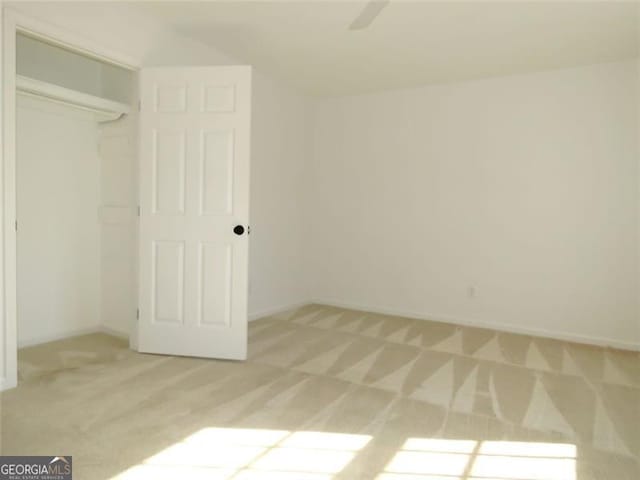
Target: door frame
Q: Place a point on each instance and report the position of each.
(11, 23)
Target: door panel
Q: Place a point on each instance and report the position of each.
(168, 282)
(169, 157)
(194, 189)
(215, 280)
(217, 173)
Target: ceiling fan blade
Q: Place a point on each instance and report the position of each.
(369, 13)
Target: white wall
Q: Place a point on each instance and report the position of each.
(280, 152)
(510, 202)
(117, 146)
(58, 172)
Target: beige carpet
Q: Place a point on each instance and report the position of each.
(333, 394)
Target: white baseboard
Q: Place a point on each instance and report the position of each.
(6, 384)
(113, 332)
(57, 336)
(504, 327)
(30, 342)
(275, 310)
(537, 332)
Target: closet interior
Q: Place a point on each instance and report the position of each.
(76, 196)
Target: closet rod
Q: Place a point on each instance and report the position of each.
(104, 109)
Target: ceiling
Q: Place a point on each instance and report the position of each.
(309, 45)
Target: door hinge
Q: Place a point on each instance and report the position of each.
(248, 229)
(138, 210)
(16, 225)
(137, 314)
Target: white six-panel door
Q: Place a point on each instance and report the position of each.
(194, 190)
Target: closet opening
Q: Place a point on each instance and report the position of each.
(76, 204)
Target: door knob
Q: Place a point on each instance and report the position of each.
(238, 229)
